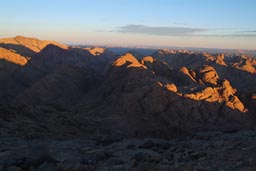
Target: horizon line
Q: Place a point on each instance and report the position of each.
(133, 46)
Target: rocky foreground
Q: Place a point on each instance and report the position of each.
(211, 151)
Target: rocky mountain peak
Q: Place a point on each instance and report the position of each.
(209, 75)
(129, 60)
(96, 51)
(72, 92)
(33, 44)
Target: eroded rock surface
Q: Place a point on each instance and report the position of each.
(208, 151)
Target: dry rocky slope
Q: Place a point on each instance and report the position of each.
(50, 90)
(73, 91)
(211, 151)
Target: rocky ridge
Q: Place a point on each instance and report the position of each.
(166, 94)
(77, 108)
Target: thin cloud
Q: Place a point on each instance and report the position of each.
(247, 31)
(184, 31)
(245, 35)
(161, 31)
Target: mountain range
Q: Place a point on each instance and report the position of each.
(54, 90)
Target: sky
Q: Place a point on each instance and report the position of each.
(142, 23)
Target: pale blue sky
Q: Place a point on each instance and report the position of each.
(187, 23)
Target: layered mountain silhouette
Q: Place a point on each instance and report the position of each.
(50, 89)
(32, 44)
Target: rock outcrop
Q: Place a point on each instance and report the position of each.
(13, 57)
(129, 60)
(96, 51)
(72, 91)
(208, 75)
(223, 93)
(220, 60)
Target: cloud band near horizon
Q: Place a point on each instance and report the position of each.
(160, 31)
(181, 31)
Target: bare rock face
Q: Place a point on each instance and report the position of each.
(128, 59)
(73, 91)
(96, 51)
(186, 72)
(171, 87)
(158, 98)
(248, 66)
(220, 60)
(13, 57)
(209, 94)
(244, 63)
(147, 59)
(235, 103)
(223, 93)
(209, 75)
(227, 89)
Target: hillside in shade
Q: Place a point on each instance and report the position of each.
(52, 90)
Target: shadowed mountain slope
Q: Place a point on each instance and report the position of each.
(63, 91)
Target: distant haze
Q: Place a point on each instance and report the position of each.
(225, 24)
